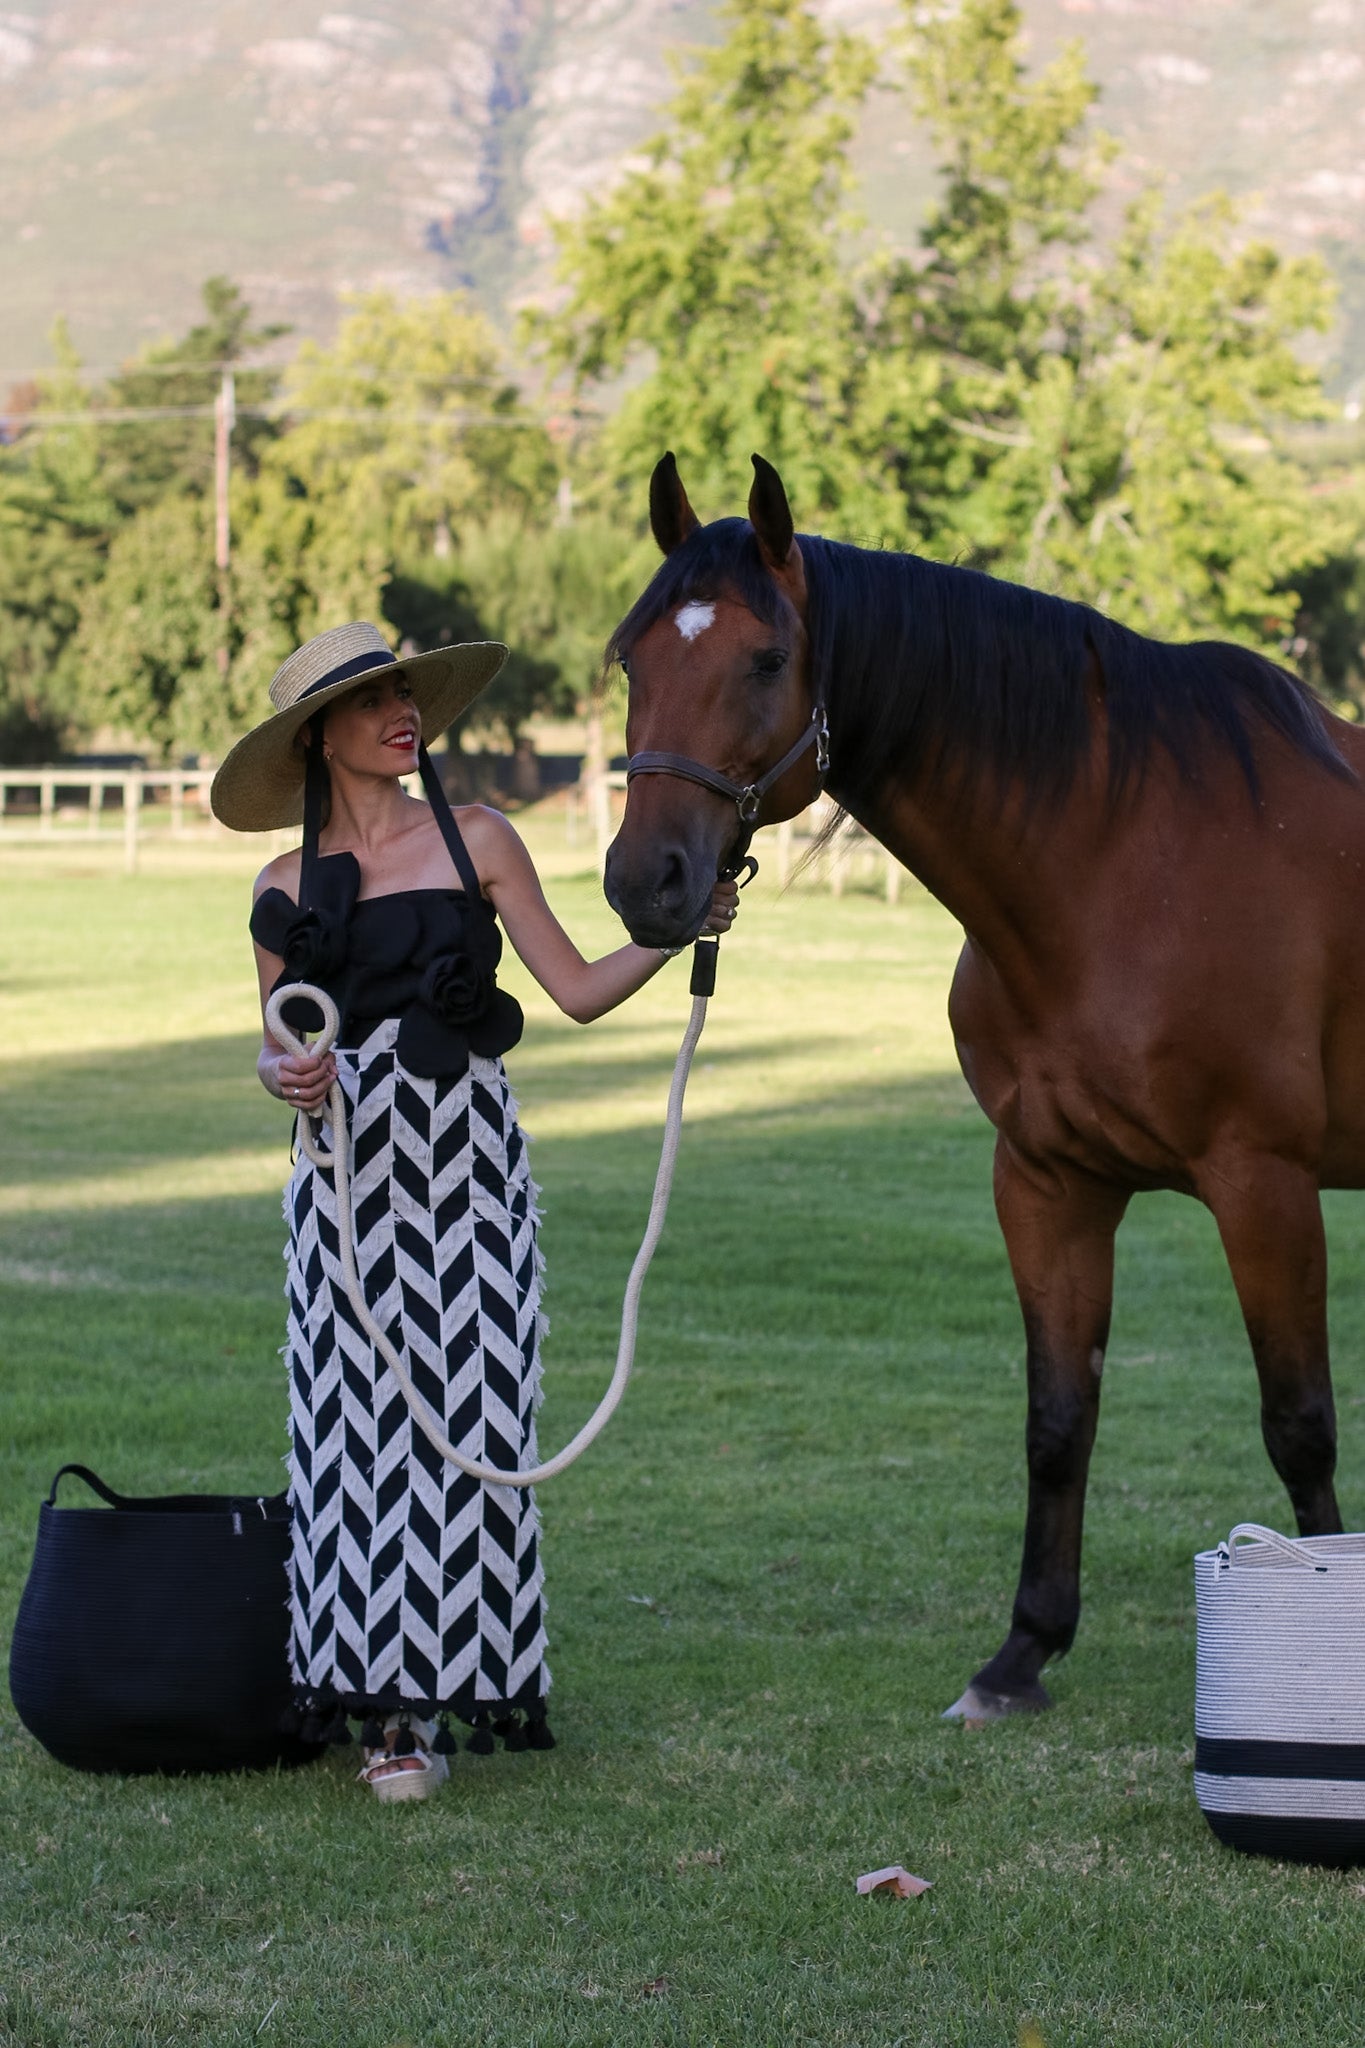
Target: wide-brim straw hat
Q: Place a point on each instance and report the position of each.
(259, 786)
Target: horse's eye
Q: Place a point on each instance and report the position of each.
(770, 662)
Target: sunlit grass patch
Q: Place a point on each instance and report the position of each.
(781, 1562)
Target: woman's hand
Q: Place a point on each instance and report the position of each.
(301, 1080)
(724, 907)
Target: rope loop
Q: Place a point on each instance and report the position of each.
(337, 1163)
(1295, 1552)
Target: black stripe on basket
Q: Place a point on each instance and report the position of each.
(1344, 1761)
(1337, 1844)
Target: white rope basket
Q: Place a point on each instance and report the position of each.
(1279, 1718)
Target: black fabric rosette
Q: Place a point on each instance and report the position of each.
(313, 942)
(458, 1008)
(426, 956)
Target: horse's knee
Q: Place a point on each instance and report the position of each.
(1060, 1434)
(1300, 1431)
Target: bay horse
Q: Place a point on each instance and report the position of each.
(1157, 856)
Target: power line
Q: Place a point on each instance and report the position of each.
(122, 415)
(91, 372)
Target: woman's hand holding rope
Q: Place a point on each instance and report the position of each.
(300, 1079)
(724, 908)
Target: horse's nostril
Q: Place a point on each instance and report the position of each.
(670, 887)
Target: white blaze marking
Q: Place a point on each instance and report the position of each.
(694, 618)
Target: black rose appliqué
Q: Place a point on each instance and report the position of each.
(457, 987)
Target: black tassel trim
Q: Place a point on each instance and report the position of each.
(512, 1733)
(326, 1715)
(404, 1742)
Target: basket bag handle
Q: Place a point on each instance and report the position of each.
(1256, 1532)
(106, 1493)
(270, 1506)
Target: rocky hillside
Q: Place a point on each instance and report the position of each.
(144, 145)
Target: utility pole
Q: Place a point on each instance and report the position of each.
(224, 419)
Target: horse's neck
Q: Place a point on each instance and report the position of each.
(1007, 874)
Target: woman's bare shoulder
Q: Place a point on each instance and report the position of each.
(492, 839)
(280, 873)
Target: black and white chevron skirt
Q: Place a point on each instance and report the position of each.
(413, 1586)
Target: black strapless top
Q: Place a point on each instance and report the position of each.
(426, 956)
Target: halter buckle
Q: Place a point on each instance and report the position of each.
(747, 803)
(821, 742)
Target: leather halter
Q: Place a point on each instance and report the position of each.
(745, 796)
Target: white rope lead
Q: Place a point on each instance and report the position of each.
(337, 1162)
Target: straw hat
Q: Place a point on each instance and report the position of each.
(260, 784)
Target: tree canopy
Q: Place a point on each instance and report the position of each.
(1124, 416)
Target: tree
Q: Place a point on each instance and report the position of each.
(718, 268)
(553, 596)
(1103, 425)
(403, 438)
(157, 655)
(142, 460)
(1148, 467)
(408, 427)
(55, 512)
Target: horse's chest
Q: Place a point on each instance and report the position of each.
(1054, 1090)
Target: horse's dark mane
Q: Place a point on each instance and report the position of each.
(963, 674)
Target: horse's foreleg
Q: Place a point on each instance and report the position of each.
(1059, 1231)
(1269, 1217)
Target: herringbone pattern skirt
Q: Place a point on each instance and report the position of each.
(413, 1585)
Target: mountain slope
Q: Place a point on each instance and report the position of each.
(145, 145)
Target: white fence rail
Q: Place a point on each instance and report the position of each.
(70, 804)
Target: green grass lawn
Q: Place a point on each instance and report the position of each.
(780, 1564)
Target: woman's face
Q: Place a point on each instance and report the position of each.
(374, 730)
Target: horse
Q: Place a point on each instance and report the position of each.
(1156, 853)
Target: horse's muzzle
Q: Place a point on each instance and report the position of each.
(662, 899)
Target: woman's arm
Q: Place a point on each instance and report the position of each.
(583, 989)
(301, 1082)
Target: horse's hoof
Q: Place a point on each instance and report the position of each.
(979, 1705)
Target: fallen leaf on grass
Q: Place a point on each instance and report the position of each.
(895, 1881)
(657, 1987)
(714, 1858)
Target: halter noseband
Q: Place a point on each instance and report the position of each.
(745, 796)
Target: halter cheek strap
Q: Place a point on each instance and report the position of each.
(747, 797)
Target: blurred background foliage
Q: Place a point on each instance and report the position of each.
(1136, 418)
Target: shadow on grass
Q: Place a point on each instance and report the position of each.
(68, 1114)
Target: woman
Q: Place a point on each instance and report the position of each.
(415, 1591)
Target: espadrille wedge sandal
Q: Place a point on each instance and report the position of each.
(406, 1767)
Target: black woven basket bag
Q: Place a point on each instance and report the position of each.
(153, 1634)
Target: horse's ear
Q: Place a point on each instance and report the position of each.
(771, 519)
(671, 518)
(770, 515)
